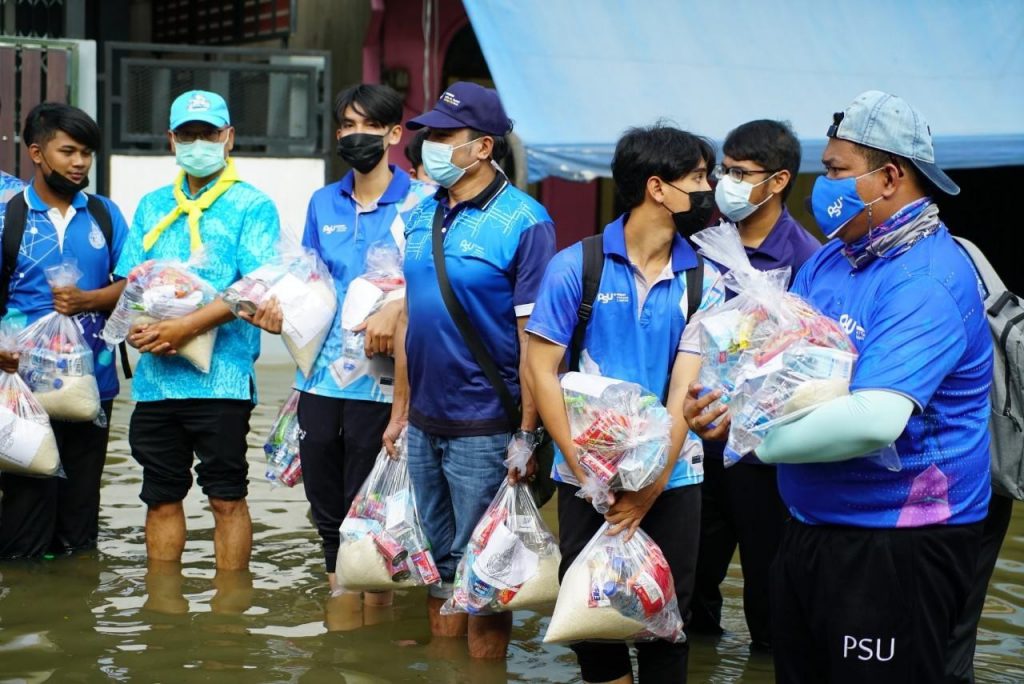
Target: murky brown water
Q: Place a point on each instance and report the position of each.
(100, 617)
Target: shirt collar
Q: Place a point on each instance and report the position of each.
(683, 256)
(775, 243)
(396, 191)
(483, 198)
(36, 203)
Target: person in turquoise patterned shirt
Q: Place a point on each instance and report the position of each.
(181, 411)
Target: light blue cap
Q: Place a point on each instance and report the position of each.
(200, 105)
(888, 123)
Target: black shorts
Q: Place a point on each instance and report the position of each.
(869, 605)
(164, 435)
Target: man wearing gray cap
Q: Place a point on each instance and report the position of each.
(875, 565)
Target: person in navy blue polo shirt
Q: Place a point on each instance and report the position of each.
(638, 332)
(741, 505)
(875, 566)
(497, 241)
(61, 515)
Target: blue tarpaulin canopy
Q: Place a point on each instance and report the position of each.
(574, 74)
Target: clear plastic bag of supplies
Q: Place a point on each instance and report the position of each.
(621, 433)
(364, 297)
(27, 444)
(617, 590)
(161, 289)
(57, 363)
(773, 355)
(305, 290)
(511, 561)
(382, 541)
(284, 467)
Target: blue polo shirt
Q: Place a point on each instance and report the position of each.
(920, 328)
(30, 295)
(341, 231)
(239, 233)
(496, 246)
(9, 185)
(635, 330)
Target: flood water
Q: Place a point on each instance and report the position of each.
(101, 616)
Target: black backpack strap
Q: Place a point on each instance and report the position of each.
(98, 210)
(694, 288)
(593, 266)
(461, 319)
(14, 230)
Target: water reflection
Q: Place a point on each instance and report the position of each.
(109, 616)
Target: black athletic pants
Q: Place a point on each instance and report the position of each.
(854, 605)
(672, 524)
(40, 515)
(740, 506)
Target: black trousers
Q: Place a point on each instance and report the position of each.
(854, 605)
(672, 524)
(960, 660)
(40, 515)
(739, 506)
(341, 442)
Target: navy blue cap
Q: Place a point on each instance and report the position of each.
(466, 105)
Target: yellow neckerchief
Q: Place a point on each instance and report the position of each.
(193, 208)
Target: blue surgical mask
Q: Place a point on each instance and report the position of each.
(835, 202)
(437, 160)
(201, 158)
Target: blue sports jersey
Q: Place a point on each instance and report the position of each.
(41, 248)
(626, 339)
(239, 233)
(496, 247)
(341, 232)
(919, 325)
(9, 185)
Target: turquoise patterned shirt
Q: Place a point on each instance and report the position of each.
(239, 234)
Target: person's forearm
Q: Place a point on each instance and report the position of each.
(400, 400)
(529, 406)
(551, 408)
(843, 428)
(214, 314)
(105, 298)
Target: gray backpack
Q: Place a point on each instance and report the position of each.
(1006, 320)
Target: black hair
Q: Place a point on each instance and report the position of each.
(659, 150)
(500, 148)
(770, 144)
(414, 150)
(47, 118)
(378, 103)
(877, 158)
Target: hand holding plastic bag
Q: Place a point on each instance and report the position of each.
(27, 444)
(284, 466)
(382, 541)
(511, 561)
(617, 590)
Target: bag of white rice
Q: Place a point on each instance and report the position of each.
(382, 541)
(305, 290)
(27, 444)
(57, 365)
(511, 561)
(617, 590)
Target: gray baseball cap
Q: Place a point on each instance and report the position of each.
(888, 123)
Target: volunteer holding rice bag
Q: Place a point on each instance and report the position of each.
(354, 225)
(649, 283)
(53, 225)
(204, 231)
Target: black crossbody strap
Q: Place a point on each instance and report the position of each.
(461, 319)
(593, 265)
(694, 288)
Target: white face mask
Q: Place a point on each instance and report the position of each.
(733, 198)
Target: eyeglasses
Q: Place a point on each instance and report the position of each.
(736, 173)
(209, 135)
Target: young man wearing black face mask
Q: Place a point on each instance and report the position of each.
(58, 221)
(638, 331)
(344, 424)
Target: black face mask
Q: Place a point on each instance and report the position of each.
(362, 151)
(702, 203)
(62, 185)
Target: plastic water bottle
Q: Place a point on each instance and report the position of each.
(129, 306)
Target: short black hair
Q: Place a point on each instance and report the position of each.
(659, 150)
(499, 150)
(378, 103)
(47, 118)
(414, 150)
(769, 143)
(877, 158)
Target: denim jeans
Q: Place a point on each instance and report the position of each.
(455, 479)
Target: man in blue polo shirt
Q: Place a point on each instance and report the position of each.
(496, 242)
(179, 410)
(875, 566)
(741, 505)
(9, 185)
(61, 515)
(638, 333)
